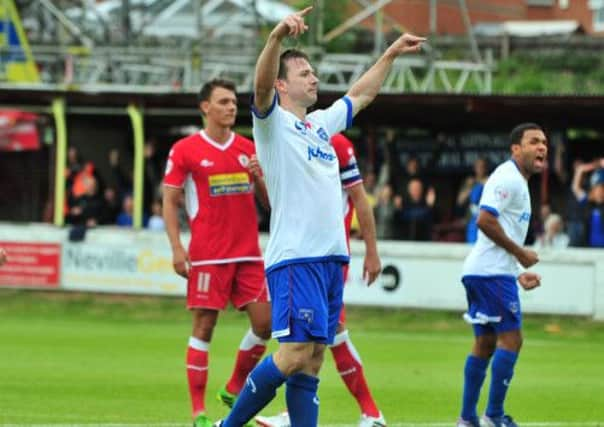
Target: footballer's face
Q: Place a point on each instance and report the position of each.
(221, 108)
(531, 153)
(301, 84)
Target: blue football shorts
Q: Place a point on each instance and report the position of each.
(493, 304)
(306, 301)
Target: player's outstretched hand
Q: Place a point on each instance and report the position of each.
(180, 262)
(372, 266)
(527, 258)
(255, 168)
(3, 256)
(529, 280)
(292, 25)
(407, 43)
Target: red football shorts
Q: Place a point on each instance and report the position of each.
(212, 286)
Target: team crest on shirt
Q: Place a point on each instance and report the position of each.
(244, 160)
(323, 134)
(501, 193)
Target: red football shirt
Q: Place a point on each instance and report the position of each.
(349, 174)
(219, 197)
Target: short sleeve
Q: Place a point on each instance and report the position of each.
(176, 171)
(497, 195)
(263, 123)
(338, 117)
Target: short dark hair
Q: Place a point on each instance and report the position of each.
(287, 55)
(518, 132)
(206, 90)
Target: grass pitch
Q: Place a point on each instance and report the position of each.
(68, 358)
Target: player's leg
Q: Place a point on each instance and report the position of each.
(249, 293)
(475, 370)
(350, 367)
(197, 361)
(509, 342)
(205, 297)
(476, 364)
(300, 322)
(502, 371)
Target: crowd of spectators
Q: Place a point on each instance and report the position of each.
(408, 203)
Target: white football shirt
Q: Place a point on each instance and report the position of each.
(303, 182)
(505, 195)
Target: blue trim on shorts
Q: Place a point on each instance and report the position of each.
(348, 102)
(257, 113)
(343, 259)
(490, 210)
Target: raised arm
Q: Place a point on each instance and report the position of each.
(371, 265)
(580, 171)
(267, 66)
(363, 92)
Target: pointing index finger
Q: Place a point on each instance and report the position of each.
(305, 11)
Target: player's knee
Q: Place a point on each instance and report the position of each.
(262, 331)
(294, 358)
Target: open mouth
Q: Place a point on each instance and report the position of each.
(539, 160)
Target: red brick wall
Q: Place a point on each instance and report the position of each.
(577, 10)
(414, 15)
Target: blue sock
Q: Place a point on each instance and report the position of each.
(302, 400)
(474, 373)
(502, 370)
(260, 388)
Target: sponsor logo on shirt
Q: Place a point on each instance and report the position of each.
(317, 153)
(205, 163)
(229, 183)
(302, 126)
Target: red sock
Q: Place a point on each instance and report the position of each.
(250, 352)
(197, 373)
(350, 369)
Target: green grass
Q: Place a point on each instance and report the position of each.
(96, 359)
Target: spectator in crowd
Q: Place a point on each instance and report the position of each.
(156, 221)
(384, 212)
(125, 218)
(121, 180)
(594, 200)
(87, 208)
(469, 197)
(153, 178)
(553, 235)
(3, 256)
(111, 207)
(417, 212)
(76, 172)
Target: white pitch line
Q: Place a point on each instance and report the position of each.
(406, 424)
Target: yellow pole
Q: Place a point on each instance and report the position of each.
(136, 118)
(58, 111)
